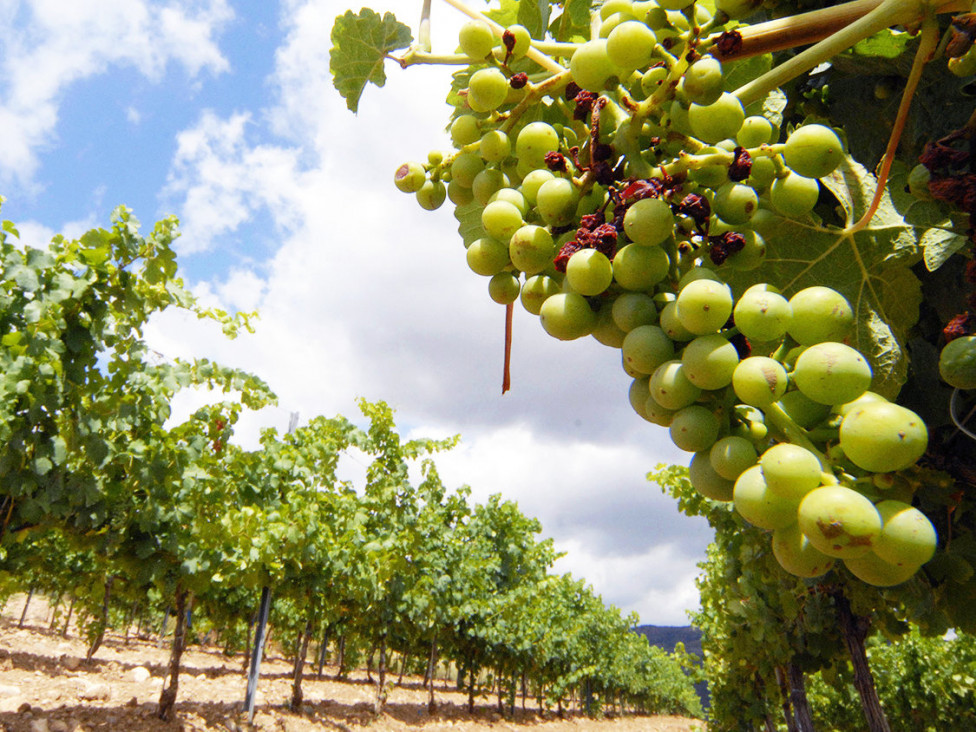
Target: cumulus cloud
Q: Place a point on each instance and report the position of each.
(59, 44)
(366, 295)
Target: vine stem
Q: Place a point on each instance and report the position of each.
(926, 48)
(533, 53)
(884, 15)
(795, 434)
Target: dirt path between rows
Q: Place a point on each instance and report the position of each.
(46, 686)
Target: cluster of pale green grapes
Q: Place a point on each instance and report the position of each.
(612, 197)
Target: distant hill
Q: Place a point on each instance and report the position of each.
(667, 637)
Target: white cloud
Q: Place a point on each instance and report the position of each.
(60, 43)
(366, 295)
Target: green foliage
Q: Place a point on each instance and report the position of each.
(360, 46)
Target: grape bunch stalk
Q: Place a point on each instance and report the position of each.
(615, 185)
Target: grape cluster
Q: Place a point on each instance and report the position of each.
(613, 197)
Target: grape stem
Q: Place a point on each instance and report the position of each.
(507, 370)
(533, 53)
(887, 13)
(794, 433)
(926, 49)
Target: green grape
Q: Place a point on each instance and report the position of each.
(649, 221)
(919, 178)
(531, 249)
(630, 45)
(504, 288)
(703, 82)
(645, 348)
(748, 422)
(638, 395)
(793, 195)
(752, 254)
(790, 470)
(839, 521)
(762, 314)
(657, 414)
(476, 39)
(672, 325)
(717, 121)
(501, 219)
(487, 256)
(410, 177)
(610, 7)
(869, 396)
(522, 38)
(633, 309)
(802, 409)
(591, 67)
(735, 203)
(797, 555)
(732, 455)
(458, 194)
(536, 290)
(957, 363)
(832, 373)
(495, 146)
(556, 201)
(512, 196)
(465, 129)
(431, 195)
(738, 9)
(465, 167)
(589, 272)
(820, 314)
(873, 570)
(882, 437)
(763, 173)
(435, 158)
(759, 381)
(487, 183)
(487, 90)
(678, 118)
(670, 386)
(652, 79)
(704, 306)
(606, 331)
(710, 361)
(567, 316)
(755, 131)
(759, 505)
(639, 268)
(533, 181)
(706, 481)
(698, 272)
(674, 4)
(534, 141)
(813, 151)
(694, 428)
(710, 176)
(907, 536)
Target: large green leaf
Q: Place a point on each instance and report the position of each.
(360, 46)
(871, 267)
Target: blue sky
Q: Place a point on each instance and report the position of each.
(223, 113)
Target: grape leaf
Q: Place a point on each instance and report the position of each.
(943, 235)
(886, 44)
(360, 46)
(469, 222)
(870, 267)
(534, 16)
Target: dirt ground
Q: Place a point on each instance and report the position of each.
(46, 686)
